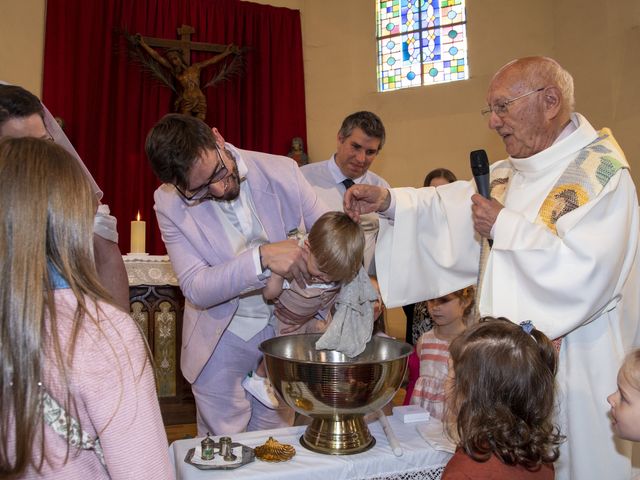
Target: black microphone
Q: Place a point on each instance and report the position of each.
(480, 169)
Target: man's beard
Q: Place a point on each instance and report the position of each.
(231, 184)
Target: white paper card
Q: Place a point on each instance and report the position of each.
(410, 413)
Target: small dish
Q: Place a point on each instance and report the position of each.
(193, 458)
(273, 451)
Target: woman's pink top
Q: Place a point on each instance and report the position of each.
(113, 387)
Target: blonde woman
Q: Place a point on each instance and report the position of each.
(77, 387)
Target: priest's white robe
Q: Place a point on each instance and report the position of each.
(580, 284)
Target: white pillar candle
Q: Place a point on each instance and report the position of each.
(138, 235)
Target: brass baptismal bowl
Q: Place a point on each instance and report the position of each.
(334, 390)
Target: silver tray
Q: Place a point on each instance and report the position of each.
(248, 456)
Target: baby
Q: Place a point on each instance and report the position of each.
(335, 249)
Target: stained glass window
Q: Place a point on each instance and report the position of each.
(420, 42)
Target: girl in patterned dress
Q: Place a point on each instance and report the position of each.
(449, 314)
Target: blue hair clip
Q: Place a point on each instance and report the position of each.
(527, 326)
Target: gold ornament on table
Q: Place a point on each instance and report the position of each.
(274, 451)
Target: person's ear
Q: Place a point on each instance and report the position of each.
(552, 98)
(466, 301)
(219, 138)
(306, 246)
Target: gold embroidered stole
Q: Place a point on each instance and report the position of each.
(583, 180)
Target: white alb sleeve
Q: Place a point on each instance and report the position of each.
(105, 225)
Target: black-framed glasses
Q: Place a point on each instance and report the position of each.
(502, 108)
(202, 191)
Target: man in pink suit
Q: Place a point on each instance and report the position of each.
(224, 214)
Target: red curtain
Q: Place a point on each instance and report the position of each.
(109, 104)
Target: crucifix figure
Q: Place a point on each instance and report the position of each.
(177, 60)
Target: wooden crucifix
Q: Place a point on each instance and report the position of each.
(185, 78)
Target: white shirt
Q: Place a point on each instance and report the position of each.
(245, 231)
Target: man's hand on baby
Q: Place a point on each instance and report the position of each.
(285, 258)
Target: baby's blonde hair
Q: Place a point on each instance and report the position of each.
(337, 243)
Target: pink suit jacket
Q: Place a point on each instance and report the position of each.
(210, 273)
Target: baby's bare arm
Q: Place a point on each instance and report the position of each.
(273, 288)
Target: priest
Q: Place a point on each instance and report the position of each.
(563, 221)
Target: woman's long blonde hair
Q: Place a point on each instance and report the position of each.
(47, 211)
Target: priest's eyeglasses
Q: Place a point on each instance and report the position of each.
(201, 192)
(502, 108)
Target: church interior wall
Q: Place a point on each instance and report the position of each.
(427, 127)
(431, 126)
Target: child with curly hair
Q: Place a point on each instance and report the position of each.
(500, 397)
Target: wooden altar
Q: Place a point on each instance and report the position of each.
(157, 305)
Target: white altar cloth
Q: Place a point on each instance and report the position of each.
(419, 461)
(143, 269)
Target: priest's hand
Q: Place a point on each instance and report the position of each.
(484, 212)
(361, 199)
(285, 258)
